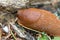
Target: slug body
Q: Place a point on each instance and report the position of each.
(40, 20)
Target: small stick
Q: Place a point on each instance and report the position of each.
(8, 36)
(0, 33)
(13, 35)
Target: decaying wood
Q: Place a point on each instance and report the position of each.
(13, 3)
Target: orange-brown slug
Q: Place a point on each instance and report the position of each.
(40, 20)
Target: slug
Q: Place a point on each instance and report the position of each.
(40, 20)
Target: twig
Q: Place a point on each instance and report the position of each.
(13, 35)
(0, 33)
(18, 31)
(7, 36)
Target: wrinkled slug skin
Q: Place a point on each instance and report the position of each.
(40, 20)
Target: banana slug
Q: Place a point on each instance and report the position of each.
(40, 20)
